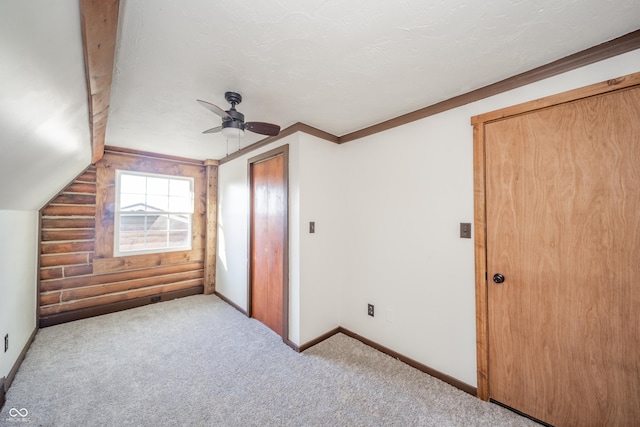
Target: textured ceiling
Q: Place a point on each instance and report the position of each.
(335, 65)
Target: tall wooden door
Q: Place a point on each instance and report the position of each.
(268, 233)
(563, 228)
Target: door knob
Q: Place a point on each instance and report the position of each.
(498, 278)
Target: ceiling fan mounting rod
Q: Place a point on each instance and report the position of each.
(233, 98)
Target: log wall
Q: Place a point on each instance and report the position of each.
(76, 281)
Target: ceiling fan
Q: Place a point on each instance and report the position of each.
(233, 124)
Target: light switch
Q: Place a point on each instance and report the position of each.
(312, 227)
(465, 230)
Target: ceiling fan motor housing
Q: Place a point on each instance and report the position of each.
(236, 121)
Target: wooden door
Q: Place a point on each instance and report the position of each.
(563, 227)
(268, 233)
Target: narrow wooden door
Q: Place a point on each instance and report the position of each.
(563, 228)
(268, 219)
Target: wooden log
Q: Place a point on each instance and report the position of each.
(50, 298)
(78, 270)
(50, 273)
(78, 222)
(69, 210)
(111, 288)
(66, 247)
(123, 296)
(77, 282)
(88, 176)
(74, 199)
(122, 263)
(79, 187)
(64, 259)
(61, 235)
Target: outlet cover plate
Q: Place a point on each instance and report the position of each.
(465, 230)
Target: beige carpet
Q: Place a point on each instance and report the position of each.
(198, 362)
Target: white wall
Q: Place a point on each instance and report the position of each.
(387, 210)
(233, 232)
(320, 256)
(44, 107)
(18, 287)
(313, 306)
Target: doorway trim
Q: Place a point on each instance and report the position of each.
(284, 151)
(480, 224)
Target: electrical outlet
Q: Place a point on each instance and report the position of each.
(370, 310)
(6, 343)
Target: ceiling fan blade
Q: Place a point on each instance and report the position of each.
(213, 130)
(214, 108)
(262, 128)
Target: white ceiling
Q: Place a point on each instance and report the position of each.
(336, 65)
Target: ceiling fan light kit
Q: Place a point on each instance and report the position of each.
(232, 132)
(233, 124)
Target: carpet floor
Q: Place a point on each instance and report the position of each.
(196, 361)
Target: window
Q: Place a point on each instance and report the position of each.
(153, 213)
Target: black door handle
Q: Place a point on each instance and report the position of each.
(498, 278)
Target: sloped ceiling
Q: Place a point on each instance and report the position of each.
(338, 66)
(44, 118)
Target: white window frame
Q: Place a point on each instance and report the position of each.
(118, 212)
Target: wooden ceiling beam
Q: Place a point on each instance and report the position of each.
(99, 20)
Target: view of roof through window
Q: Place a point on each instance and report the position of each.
(153, 213)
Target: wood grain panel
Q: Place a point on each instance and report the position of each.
(112, 298)
(64, 259)
(267, 231)
(563, 196)
(211, 229)
(50, 298)
(275, 224)
(105, 206)
(51, 273)
(66, 247)
(107, 265)
(77, 222)
(105, 199)
(259, 243)
(480, 262)
(88, 176)
(69, 210)
(99, 21)
(123, 151)
(77, 270)
(74, 283)
(56, 235)
(75, 199)
(113, 287)
(77, 282)
(81, 187)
